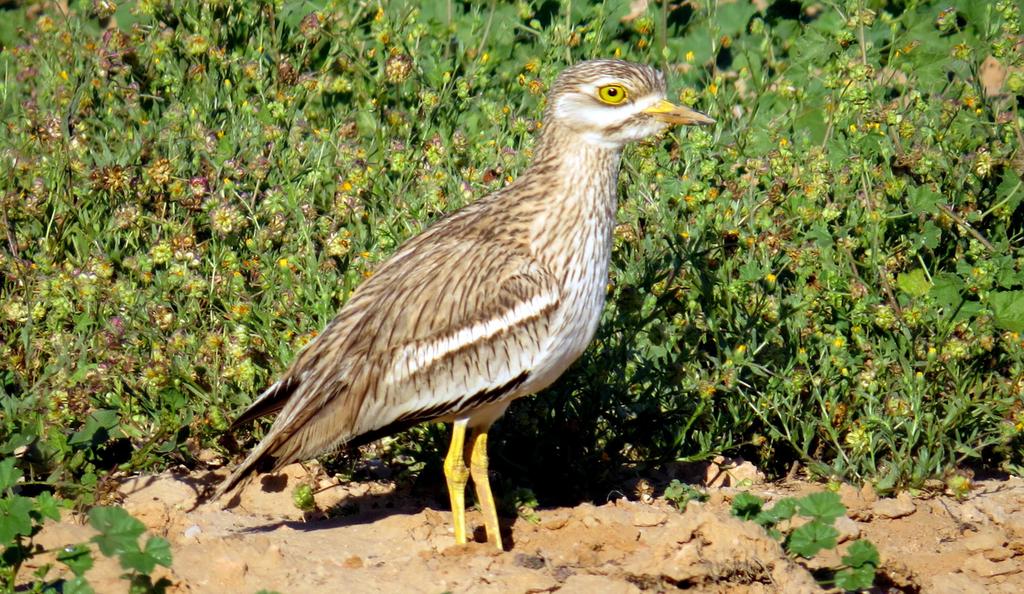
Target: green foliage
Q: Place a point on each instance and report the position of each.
(522, 503)
(22, 517)
(680, 494)
(809, 538)
(832, 275)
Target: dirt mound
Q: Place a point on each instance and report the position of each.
(378, 541)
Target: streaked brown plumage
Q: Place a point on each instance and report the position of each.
(491, 303)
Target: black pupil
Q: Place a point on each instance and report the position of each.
(613, 92)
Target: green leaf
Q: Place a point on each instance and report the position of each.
(914, 283)
(860, 553)
(78, 558)
(118, 531)
(1010, 190)
(15, 518)
(810, 538)
(856, 578)
(946, 289)
(923, 200)
(99, 428)
(732, 18)
(157, 552)
(782, 510)
(160, 550)
(746, 505)
(77, 585)
(825, 506)
(931, 234)
(9, 474)
(1008, 307)
(48, 506)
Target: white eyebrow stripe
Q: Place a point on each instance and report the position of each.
(417, 355)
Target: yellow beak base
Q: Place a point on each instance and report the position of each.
(671, 113)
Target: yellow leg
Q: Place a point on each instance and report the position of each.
(478, 469)
(457, 475)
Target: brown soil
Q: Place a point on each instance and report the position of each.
(379, 541)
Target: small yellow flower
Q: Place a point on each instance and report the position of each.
(689, 57)
(283, 263)
(770, 278)
(64, 74)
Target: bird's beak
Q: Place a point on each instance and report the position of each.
(667, 111)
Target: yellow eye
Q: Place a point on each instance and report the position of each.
(612, 94)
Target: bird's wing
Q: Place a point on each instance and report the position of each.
(435, 332)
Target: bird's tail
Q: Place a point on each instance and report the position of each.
(260, 459)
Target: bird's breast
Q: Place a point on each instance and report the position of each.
(584, 274)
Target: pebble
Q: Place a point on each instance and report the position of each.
(193, 531)
(353, 562)
(848, 529)
(902, 505)
(649, 519)
(983, 541)
(867, 493)
(555, 523)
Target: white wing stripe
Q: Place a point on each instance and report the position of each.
(416, 356)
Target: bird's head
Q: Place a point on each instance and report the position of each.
(611, 102)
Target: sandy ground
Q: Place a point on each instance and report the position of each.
(376, 540)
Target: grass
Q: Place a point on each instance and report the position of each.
(832, 276)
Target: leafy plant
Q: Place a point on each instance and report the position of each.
(831, 276)
(809, 538)
(21, 518)
(680, 494)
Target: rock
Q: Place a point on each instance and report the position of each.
(648, 519)
(902, 505)
(867, 493)
(983, 541)
(971, 515)
(953, 583)
(848, 529)
(353, 562)
(529, 581)
(732, 472)
(555, 523)
(985, 568)
(850, 497)
(421, 533)
(993, 509)
(998, 554)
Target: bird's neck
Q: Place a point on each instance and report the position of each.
(576, 180)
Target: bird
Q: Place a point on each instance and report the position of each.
(488, 304)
